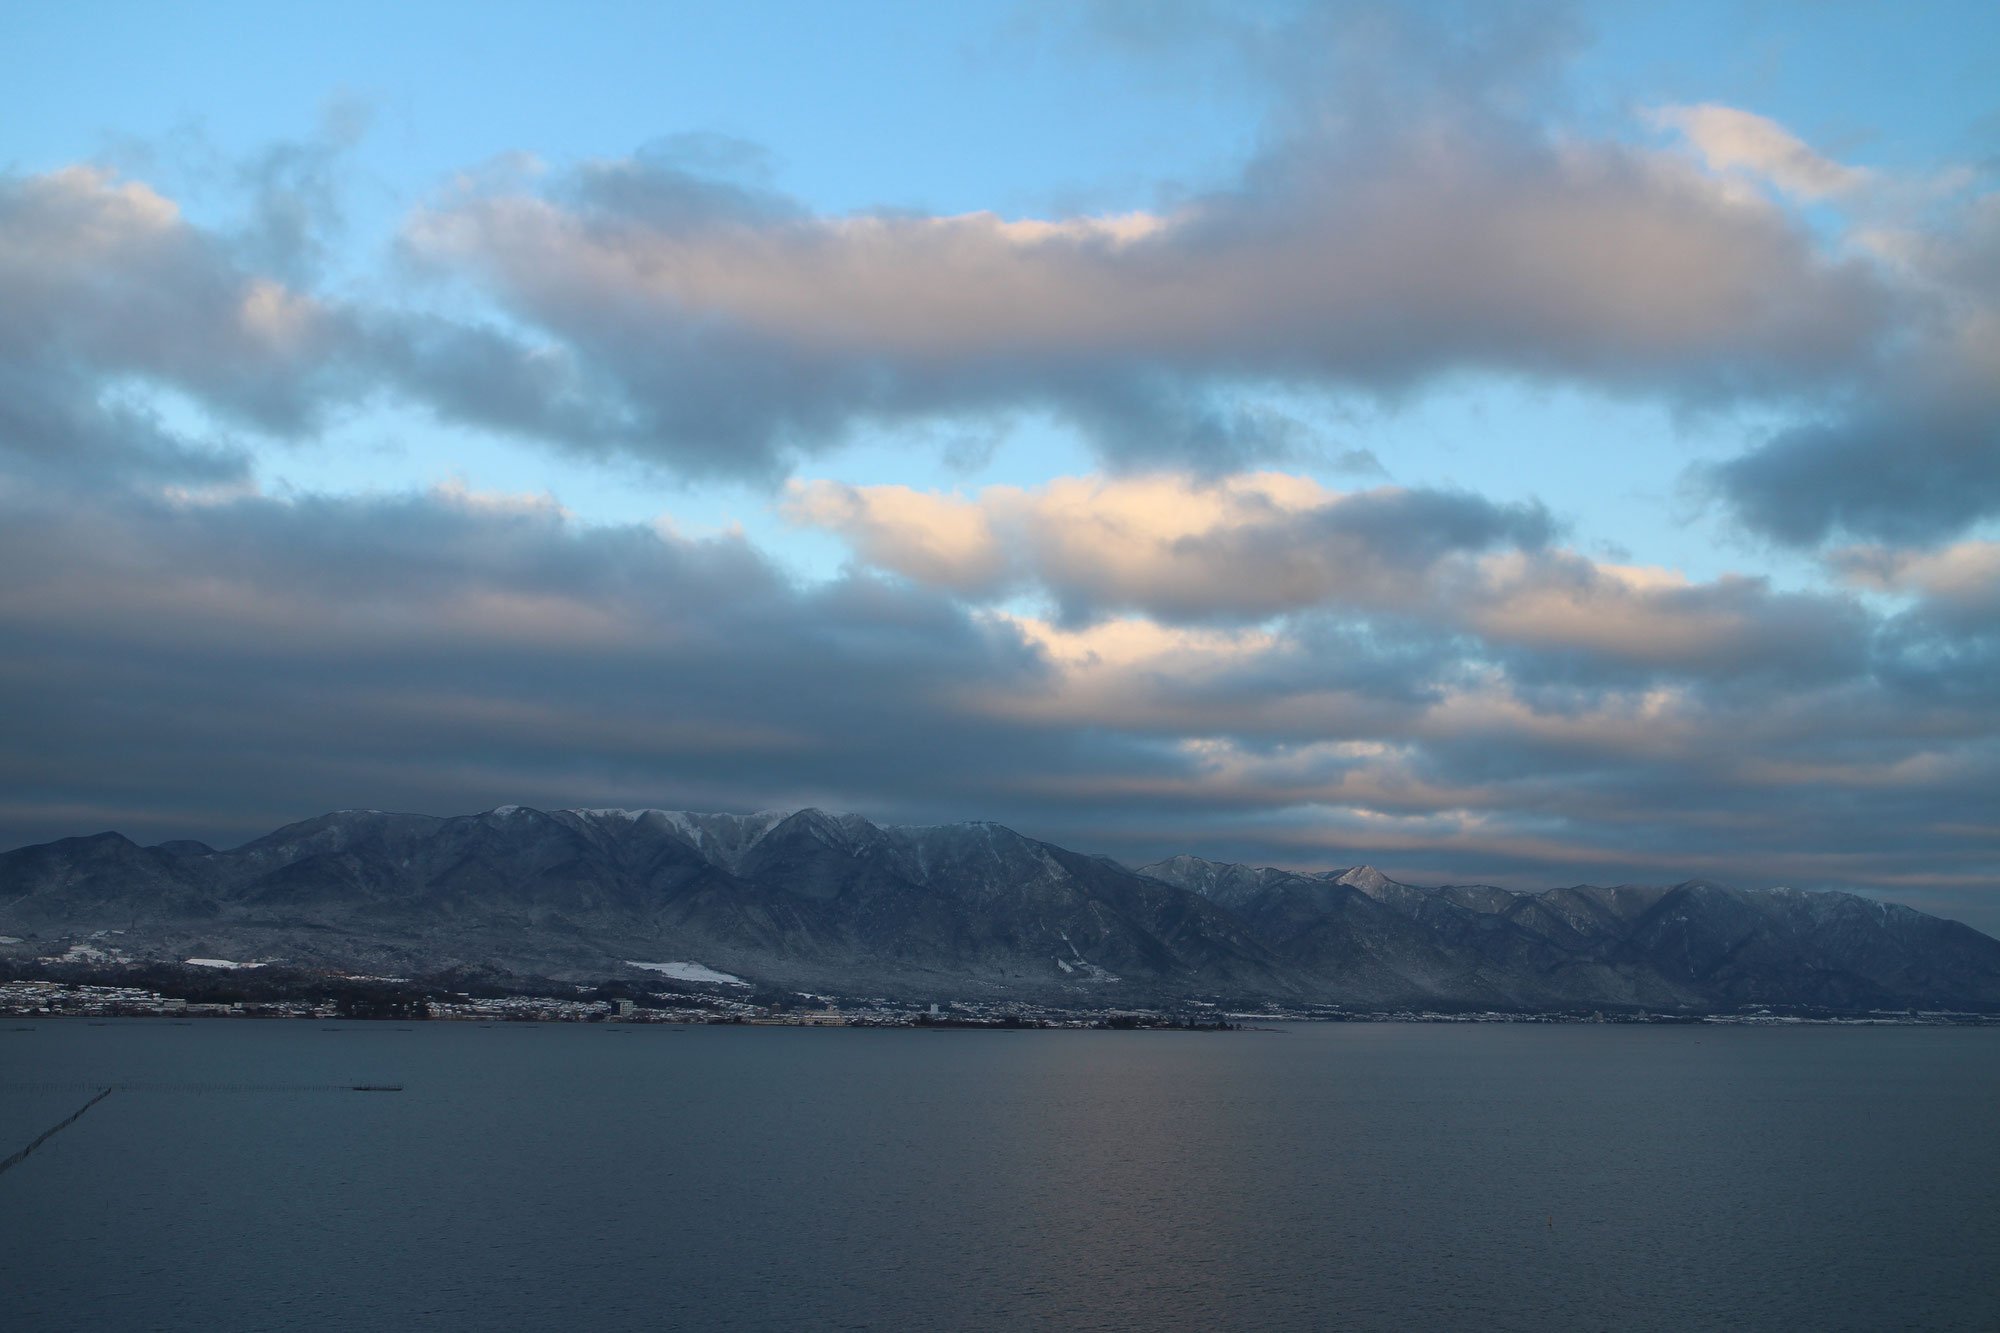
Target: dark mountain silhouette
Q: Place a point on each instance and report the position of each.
(835, 903)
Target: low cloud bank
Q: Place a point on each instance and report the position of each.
(212, 668)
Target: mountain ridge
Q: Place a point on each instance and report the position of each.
(829, 902)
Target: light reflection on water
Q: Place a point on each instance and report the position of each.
(1343, 1176)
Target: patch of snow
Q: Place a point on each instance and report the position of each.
(689, 972)
(223, 963)
(1064, 965)
(10, 939)
(723, 839)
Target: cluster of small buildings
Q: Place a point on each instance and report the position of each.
(64, 997)
(60, 998)
(829, 1017)
(522, 1009)
(667, 1007)
(53, 998)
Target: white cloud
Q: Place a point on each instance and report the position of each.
(1239, 547)
(943, 540)
(1243, 549)
(1730, 139)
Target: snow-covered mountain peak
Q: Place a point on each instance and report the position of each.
(1367, 879)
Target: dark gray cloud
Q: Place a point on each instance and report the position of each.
(59, 429)
(444, 648)
(1916, 477)
(1911, 452)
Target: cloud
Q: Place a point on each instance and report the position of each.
(1240, 550)
(675, 307)
(1421, 216)
(1174, 547)
(1733, 139)
(104, 277)
(1911, 452)
(212, 668)
(946, 541)
(1964, 575)
(108, 295)
(434, 645)
(1374, 248)
(1560, 616)
(110, 299)
(1943, 641)
(1912, 475)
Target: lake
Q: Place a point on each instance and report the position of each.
(1344, 1176)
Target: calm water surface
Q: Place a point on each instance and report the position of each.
(1328, 1177)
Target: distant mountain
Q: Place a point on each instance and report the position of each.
(834, 903)
(1691, 945)
(806, 900)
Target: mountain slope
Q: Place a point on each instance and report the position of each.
(1692, 945)
(804, 899)
(810, 900)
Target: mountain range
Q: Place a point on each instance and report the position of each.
(835, 904)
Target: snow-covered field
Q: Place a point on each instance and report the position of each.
(687, 972)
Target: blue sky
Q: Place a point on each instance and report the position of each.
(1360, 557)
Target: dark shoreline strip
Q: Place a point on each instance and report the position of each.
(50, 1133)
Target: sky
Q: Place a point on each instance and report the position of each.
(1529, 444)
